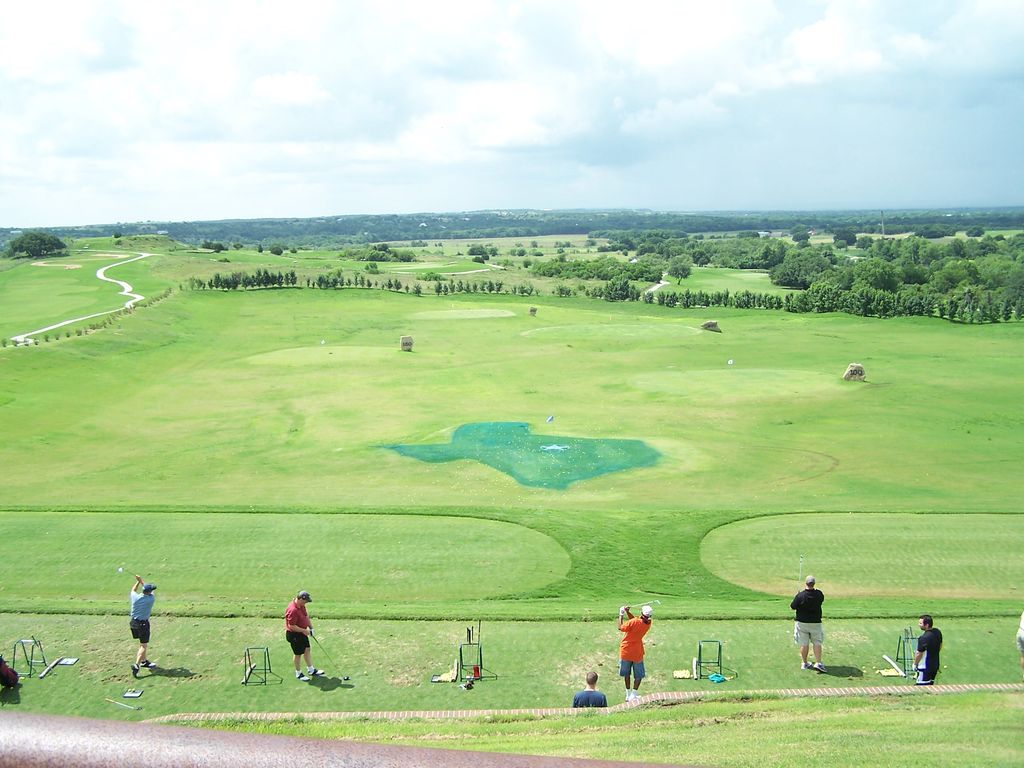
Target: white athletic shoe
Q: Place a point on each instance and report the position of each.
(312, 672)
(301, 677)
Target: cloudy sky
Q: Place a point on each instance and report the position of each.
(125, 111)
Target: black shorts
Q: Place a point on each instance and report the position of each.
(298, 641)
(140, 630)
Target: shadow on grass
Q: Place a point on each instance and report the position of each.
(834, 671)
(10, 695)
(326, 684)
(172, 672)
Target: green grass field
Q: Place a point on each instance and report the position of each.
(234, 447)
(739, 733)
(711, 279)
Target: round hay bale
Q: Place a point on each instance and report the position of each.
(854, 372)
(407, 343)
(711, 325)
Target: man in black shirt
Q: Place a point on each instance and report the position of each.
(926, 660)
(807, 631)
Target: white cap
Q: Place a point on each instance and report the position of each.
(646, 611)
(809, 580)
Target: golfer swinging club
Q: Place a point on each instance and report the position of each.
(141, 608)
(298, 630)
(631, 649)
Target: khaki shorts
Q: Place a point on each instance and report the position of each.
(805, 634)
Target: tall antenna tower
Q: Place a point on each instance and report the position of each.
(882, 214)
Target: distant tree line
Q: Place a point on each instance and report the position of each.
(332, 231)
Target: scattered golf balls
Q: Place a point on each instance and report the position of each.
(730, 362)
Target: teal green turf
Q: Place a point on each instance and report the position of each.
(542, 461)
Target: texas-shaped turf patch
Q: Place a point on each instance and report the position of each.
(543, 461)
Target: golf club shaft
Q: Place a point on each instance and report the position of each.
(121, 704)
(321, 647)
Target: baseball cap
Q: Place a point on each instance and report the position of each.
(304, 595)
(148, 587)
(809, 580)
(646, 611)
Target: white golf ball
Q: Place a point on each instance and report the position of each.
(120, 570)
(730, 362)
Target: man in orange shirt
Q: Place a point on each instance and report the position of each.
(631, 649)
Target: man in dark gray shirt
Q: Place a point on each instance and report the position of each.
(807, 630)
(590, 696)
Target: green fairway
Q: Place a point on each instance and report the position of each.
(38, 294)
(209, 562)
(236, 391)
(928, 556)
(723, 279)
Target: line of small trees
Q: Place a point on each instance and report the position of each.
(262, 278)
(337, 280)
(620, 289)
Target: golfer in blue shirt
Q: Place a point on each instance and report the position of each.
(141, 607)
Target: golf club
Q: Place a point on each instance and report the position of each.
(122, 704)
(325, 653)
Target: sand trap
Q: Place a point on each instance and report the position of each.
(461, 314)
(65, 266)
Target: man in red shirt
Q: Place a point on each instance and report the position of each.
(298, 630)
(631, 649)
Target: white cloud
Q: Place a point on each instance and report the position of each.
(288, 89)
(411, 106)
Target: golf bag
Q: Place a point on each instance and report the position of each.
(8, 677)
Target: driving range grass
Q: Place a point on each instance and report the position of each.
(235, 392)
(980, 554)
(232, 447)
(389, 664)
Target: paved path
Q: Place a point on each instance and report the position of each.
(101, 273)
(651, 698)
